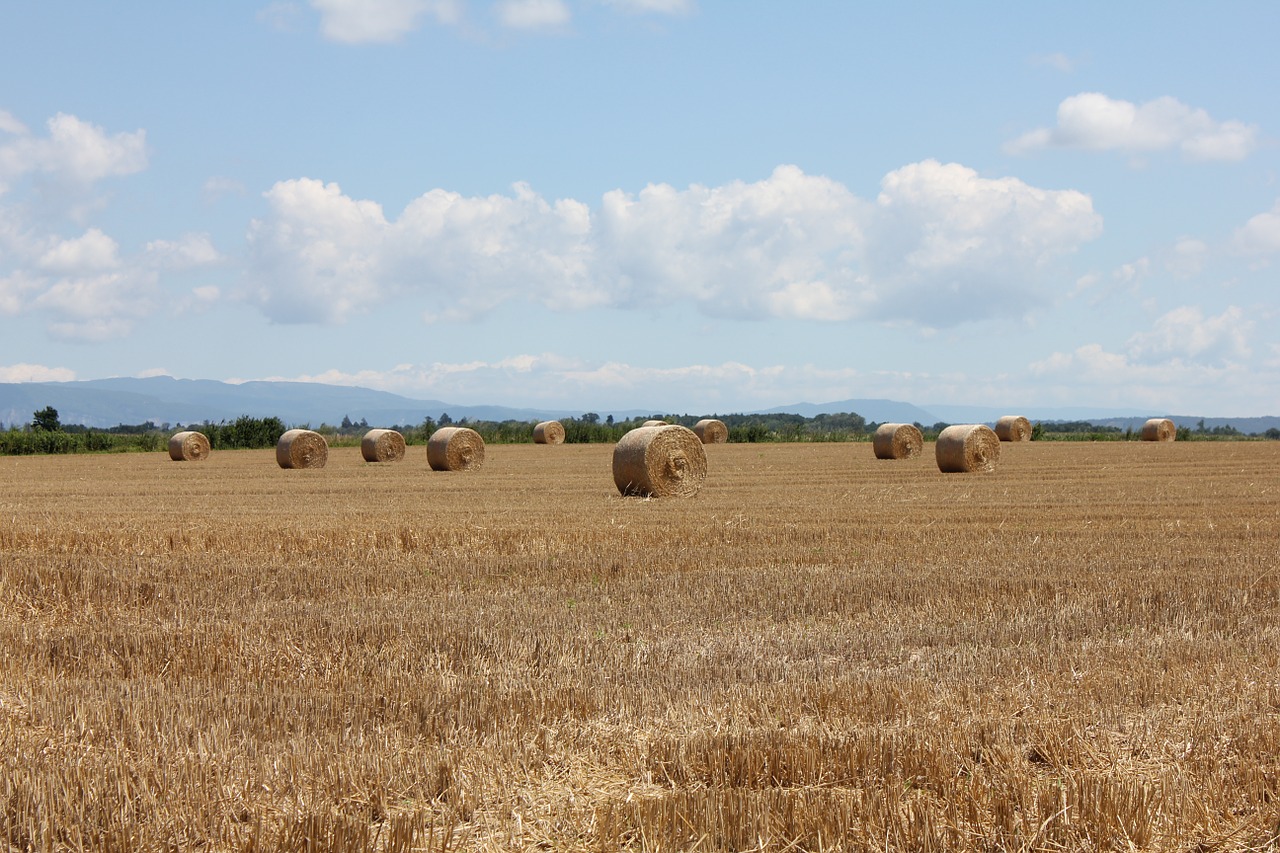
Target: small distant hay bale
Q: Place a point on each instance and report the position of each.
(659, 461)
(965, 448)
(1159, 429)
(1013, 428)
(711, 431)
(382, 445)
(898, 441)
(189, 446)
(548, 432)
(654, 423)
(455, 449)
(302, 448)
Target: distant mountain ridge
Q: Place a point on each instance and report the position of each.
(103, 403)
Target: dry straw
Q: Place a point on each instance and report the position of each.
(189, 446)
(382, 445)
(659, 461)
(711, 431)
(302, 448)
(967, 447)
(654, 423)
(1013, 428)
(897, 441)
(548, 432)
(455, 449)
(1159, 429)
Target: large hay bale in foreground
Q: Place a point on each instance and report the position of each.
(1159, 429)
(711, 431)
(897, 441)
(382, 445)
(548, 432)
(654, 423)
(302, 448)
(189, 446)
(455, 449)
(964, 448)
(1013, 428)
(659, 461)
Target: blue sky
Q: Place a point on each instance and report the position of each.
(672, 205)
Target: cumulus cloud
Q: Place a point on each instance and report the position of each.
(74, 151)
(1261, 234)
(1185, 356)
(84, 284)
(9, 124)
(23, 372)
(532, 14)
(940, 245)
(1185, 333)
(360, 21)
(1092, 121)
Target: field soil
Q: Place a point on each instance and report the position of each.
(820, 651)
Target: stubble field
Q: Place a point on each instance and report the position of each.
(820, 651)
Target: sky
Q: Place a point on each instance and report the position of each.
(671, 205)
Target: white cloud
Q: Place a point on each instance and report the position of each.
(92, 251)
(74, 151)
(940, 245)
(551, 380)
(1185, 333)
(10, 124)
(23, 372)
(217, 187)
(83, 284)
(660, 7)
(1187, 257)
(1095, 122)
(187, 252)
(1261, 234)
(283, 16)
(532, 14)
(1057, 61)
(358, 21)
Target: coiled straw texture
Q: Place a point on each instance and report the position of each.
(189, 446)
(1159, 429)
(455, 449)
(659, 461)
(711, 431)
(897, 441)
(548, 432)
(1013, 428)
(302, 448)
(382, 445)
(966, 448)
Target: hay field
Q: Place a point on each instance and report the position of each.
(822, 650)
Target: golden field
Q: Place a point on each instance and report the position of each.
(821, 651)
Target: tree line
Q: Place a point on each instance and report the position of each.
(46, 434)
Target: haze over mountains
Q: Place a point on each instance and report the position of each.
(105, 403)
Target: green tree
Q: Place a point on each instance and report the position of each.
(46, 420)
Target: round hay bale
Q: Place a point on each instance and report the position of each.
(1159, 429)
(711, 431)
(967, 447)
(659, 461)
(302, 448)
(1013, 428)
(654, 423)
(189, 446)
(382, 445)
(548, 432)
(897, 441)
(455, 449)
